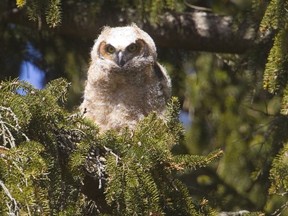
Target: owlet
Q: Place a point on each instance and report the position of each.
(125, 82)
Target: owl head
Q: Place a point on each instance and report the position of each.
(124, 48)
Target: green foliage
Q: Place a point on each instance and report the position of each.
(279, 172)
(275, 74)
(154, 8)
(284, 109)
(276, 81)
(231, 111)
(275, 16)
(31, 167)
(20, 3)
(47, 155)
(275, 78)
(52, 9)
(53, 13)
(37, 8)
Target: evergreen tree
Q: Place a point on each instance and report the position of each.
(53, 162)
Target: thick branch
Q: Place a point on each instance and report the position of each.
(199, 31)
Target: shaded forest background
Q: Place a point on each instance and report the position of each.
(229, 67)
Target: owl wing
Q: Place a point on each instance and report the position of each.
(165, 82)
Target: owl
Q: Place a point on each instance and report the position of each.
(125, 82)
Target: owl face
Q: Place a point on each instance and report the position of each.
(121, 54)
(124, 48)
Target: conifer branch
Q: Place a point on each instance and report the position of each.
(13, 205)
(5, 132)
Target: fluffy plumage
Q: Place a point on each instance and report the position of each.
(125, 82)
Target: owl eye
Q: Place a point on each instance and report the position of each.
(110, 49)
(132, 47)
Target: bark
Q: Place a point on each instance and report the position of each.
(196, 31)
(201, 31)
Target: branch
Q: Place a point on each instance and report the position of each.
(201, 31)
(197, 31)
(239, 213)
(12, 205)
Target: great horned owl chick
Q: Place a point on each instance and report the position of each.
(125, 82)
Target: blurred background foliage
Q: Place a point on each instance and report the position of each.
(236, 102)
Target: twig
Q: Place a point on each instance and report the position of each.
(239, 213)
(279, 211)
(6, 127)
(13, 207)
(111, 152)
(197, 7)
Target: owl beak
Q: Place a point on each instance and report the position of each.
(120, 59)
